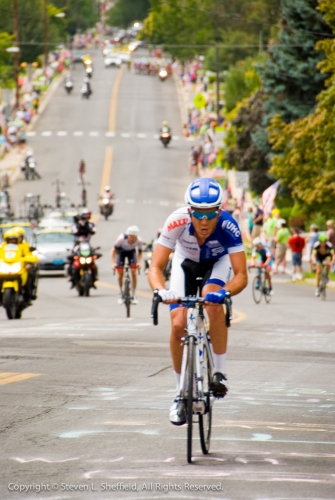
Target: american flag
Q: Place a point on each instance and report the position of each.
(268, 196)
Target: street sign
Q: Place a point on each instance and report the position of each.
(242, 180)
(199, 101)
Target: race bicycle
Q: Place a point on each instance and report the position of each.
(126, 289)
(197, 368)
(260, 285)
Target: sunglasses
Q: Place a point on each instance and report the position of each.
(204, 215)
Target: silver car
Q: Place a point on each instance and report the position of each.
(53, 246)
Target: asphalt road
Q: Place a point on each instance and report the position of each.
(85, 392)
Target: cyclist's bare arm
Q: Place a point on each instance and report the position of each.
(113, 255)
(159, 261)
(139, 260)
(240, 279)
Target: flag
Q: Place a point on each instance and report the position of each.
(268, 197)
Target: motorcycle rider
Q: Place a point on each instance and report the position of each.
(86, 87)
(12, 237)
(125, 246)
(107, 193)
(82, 229)
(165, 128)
(32, 269)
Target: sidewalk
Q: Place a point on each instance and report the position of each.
(10, 164)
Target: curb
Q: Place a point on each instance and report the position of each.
(182, 109)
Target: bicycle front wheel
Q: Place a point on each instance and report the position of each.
(127, 298)
(205, 421)
(189, 403)
(257, 289)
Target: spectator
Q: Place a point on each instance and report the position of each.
(257, 221)
(297, 244)
(269, 228)
(310, 240)
(331, 232)
(282, 238)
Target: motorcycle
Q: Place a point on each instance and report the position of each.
(149, 249)
(165, 138)
(106, 206)
(14, 279)
(163, 74)
(148, 257)
(84, 268)
(68, 86)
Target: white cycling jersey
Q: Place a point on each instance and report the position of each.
(122, 243)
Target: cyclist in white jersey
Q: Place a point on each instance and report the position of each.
(208, 244)
(129, 245)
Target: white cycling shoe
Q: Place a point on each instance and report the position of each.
(177, 413)
(134, 300)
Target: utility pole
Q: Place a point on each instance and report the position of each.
(46, 32)
(16, 54)
(217, 57)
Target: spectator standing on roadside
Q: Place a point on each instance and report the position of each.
(331, 236)
(297, 244)
(282, 238)
(257, 221)
(310, 240)
(269, 227)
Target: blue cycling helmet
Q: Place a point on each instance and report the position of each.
(204, 193)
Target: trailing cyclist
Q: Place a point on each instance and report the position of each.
(323, 255)
(128, 245)
(208, 245)
(262, 257)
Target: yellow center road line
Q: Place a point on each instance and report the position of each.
(106, 173)
(95, 218)
(237, 315)
(113, 104)
(9, 377)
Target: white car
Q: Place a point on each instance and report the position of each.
(112, 60)
(53, 247)
(124, 56)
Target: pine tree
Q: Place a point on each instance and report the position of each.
(290, 83)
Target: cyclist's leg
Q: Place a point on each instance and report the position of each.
(178, 315)
(132, 256)
(268, 275)
(120, 256)
(218, 277)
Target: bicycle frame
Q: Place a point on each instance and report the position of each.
(196, 328)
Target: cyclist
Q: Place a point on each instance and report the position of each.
(129, 245)
(264, 258)
(208, 245)
(323, 254)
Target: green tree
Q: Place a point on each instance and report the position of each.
(126, 12)
(290, 83)
(306, 146)
(6, 63)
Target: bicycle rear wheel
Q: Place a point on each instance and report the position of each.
(189, 403)
(266, 290)
(257, 289)
(205, 421)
